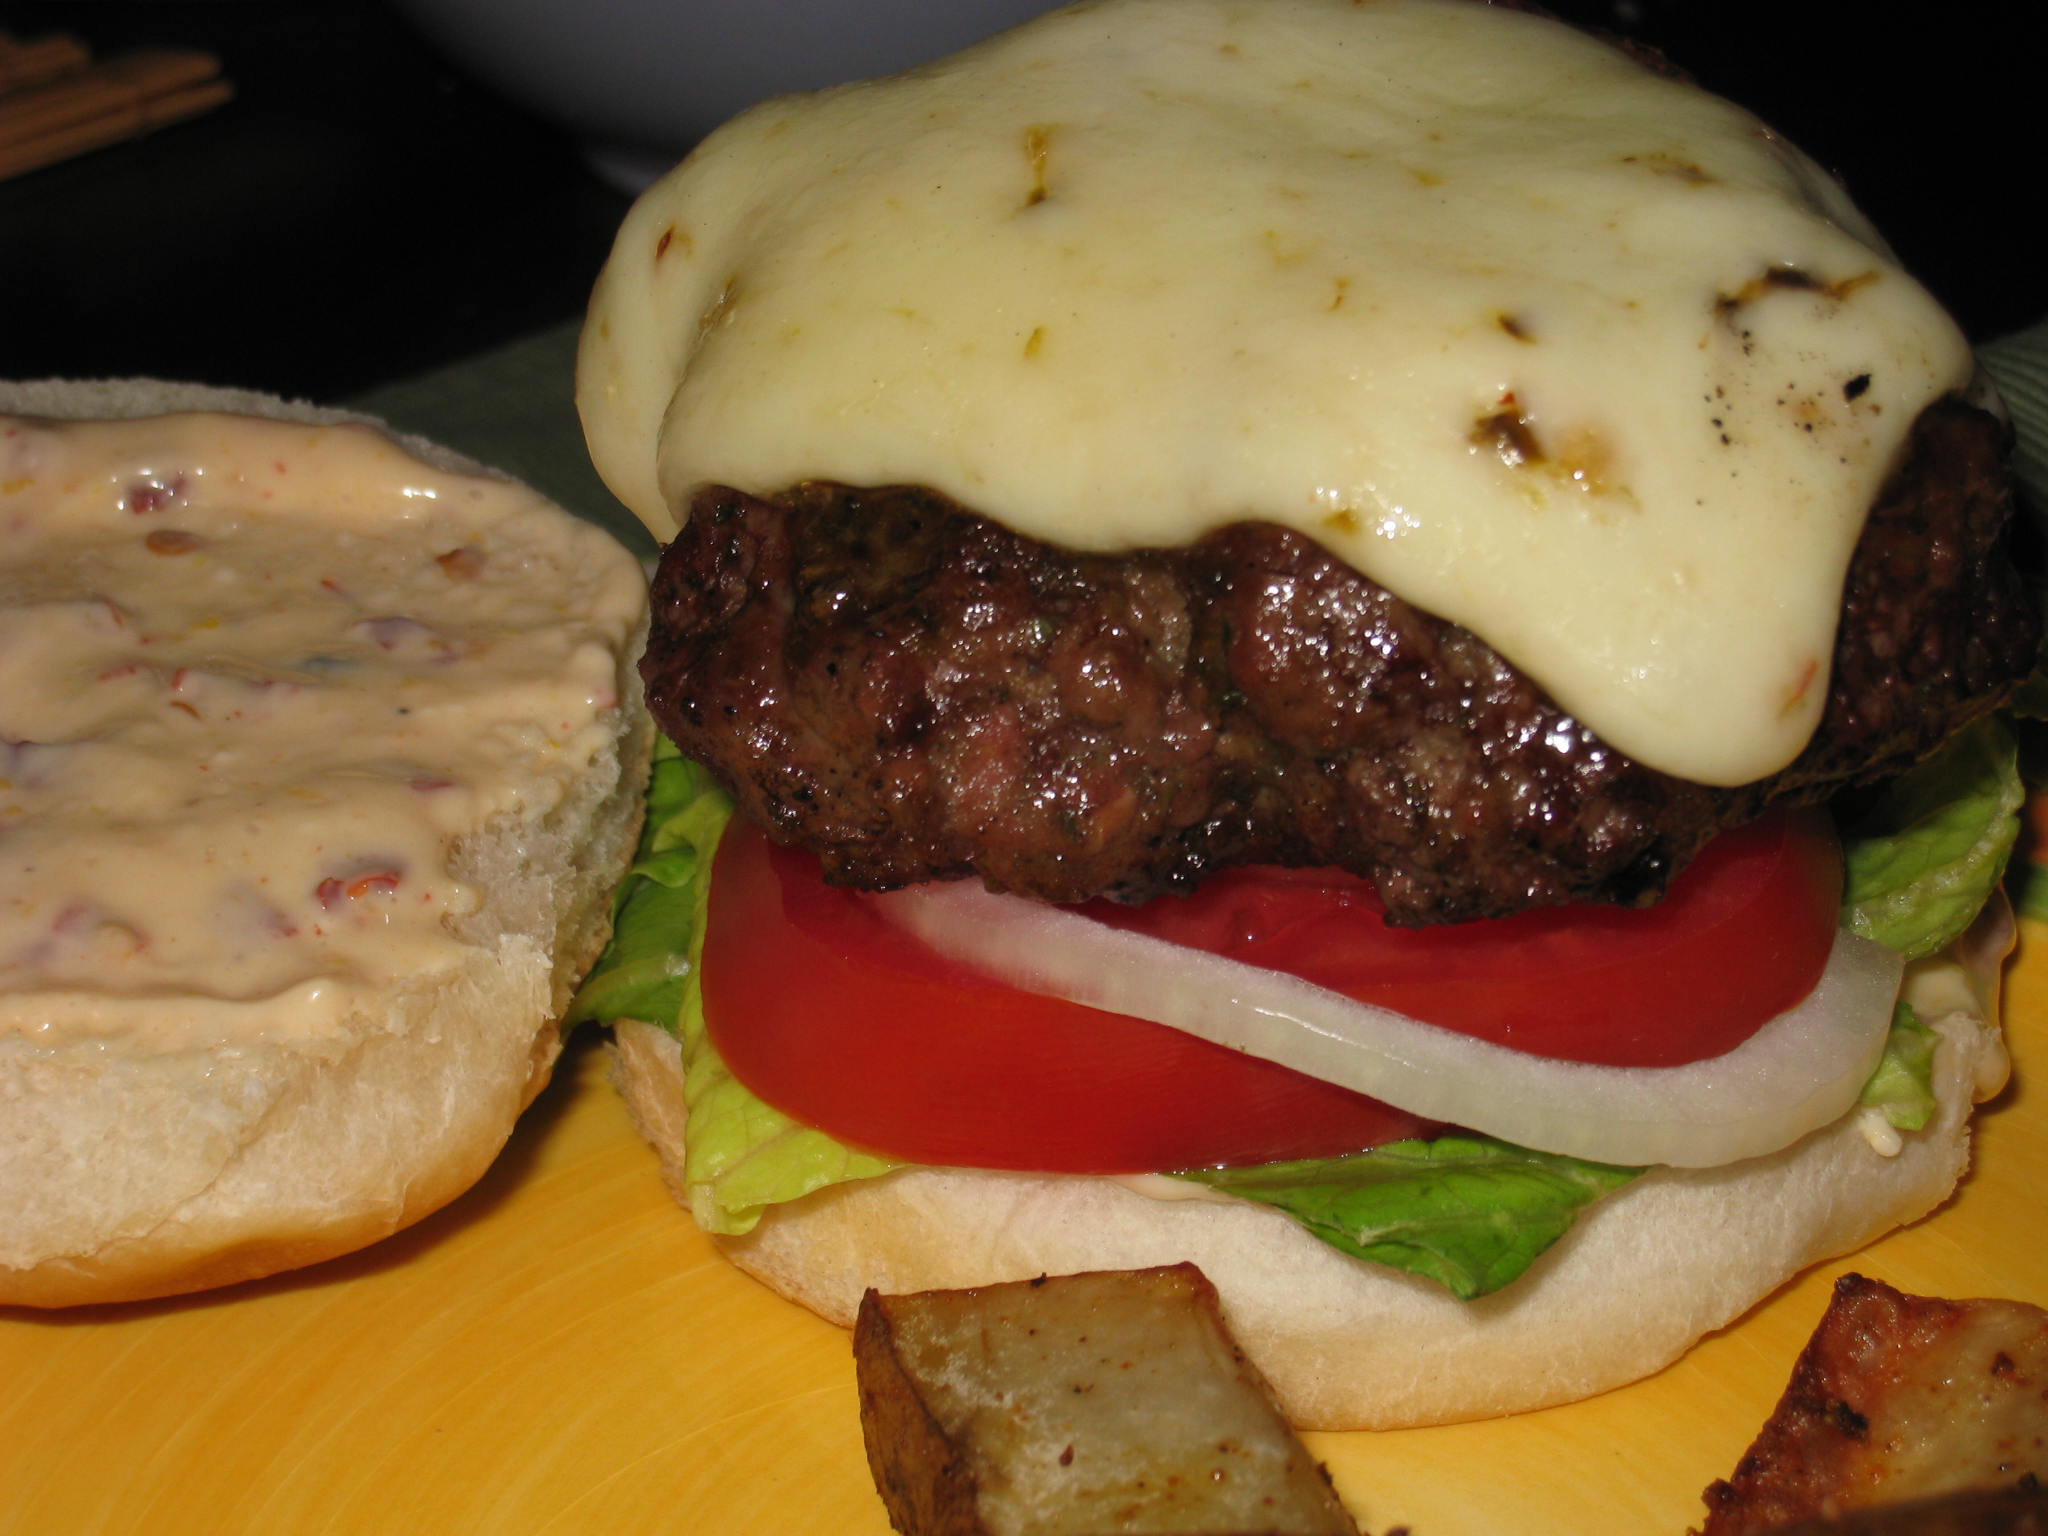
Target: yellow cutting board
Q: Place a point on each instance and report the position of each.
(562, 1352)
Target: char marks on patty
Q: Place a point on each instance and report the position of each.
(914, 692)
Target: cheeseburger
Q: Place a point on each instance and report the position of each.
(1352, 642)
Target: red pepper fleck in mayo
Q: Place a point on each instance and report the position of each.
(259, 683)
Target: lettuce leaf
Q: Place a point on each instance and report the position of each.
(1926, 853)
(1465, 1211)
(1903, 1084)
(2030, 701)
(2026, 877)
(741, 1155)
(644, 972)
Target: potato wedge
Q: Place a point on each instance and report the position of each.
(1080, 1405)
(2002, 1512)
(1896, 1398)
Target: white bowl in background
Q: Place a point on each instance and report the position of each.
(641, 81)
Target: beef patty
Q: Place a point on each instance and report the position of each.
(914, 692)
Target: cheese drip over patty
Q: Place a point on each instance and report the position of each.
(1552, 345)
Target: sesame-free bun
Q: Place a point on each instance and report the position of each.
(130, 1171)
(1350, 1345)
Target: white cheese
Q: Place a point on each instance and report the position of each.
(1556, 347)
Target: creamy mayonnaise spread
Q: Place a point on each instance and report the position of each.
(257, 681)
(1556, 347)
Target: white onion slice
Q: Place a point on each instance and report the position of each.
(1801, 1071)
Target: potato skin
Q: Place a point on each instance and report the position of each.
(925, 1479)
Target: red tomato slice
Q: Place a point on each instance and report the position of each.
(1742, 935)
(847, 1023)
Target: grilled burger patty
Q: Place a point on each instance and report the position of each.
(913, 692)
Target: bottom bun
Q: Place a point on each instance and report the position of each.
(135, 1173)
(1350, 1345)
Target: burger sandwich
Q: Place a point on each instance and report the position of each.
(1357, 643)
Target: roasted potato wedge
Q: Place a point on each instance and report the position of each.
(2002, 1512)
(1082, 1405)
(1896, 1398)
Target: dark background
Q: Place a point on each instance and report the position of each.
(362, 211)
(359, 212)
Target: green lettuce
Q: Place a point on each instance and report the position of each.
(1926, 853)
(1903, 1084)
(2030, 702)
(657, 912)
(1465, 1211)
(741, 1155)
(2026, 879)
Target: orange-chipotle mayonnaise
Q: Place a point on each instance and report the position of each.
(258, 683)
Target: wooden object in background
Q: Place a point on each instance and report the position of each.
(56, 103)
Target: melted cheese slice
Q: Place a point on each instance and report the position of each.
(1558, 348)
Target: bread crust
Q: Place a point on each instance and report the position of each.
(1349, 1345)
(146, 1175)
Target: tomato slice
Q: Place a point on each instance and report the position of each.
(1742, 935)
(841, 1019)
